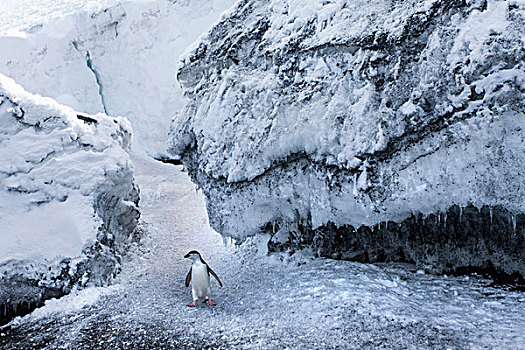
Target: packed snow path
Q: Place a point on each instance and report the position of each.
(266, 303)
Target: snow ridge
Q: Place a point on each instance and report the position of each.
(68, 202)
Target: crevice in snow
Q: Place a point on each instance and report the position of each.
(89, 63)
(174, 161)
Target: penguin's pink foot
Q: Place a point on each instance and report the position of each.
(194, 303)
(210, 302)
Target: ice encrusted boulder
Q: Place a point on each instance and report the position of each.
(68, 203)
(368, 130)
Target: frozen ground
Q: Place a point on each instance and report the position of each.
(266, 303)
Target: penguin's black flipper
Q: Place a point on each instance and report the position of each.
(214, 275)
(188, 278)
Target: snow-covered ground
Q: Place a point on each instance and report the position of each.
(266, 303)
(121, 57)
(112, 56)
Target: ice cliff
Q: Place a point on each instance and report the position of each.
(68, 203)
(111, 56)
(366, 130)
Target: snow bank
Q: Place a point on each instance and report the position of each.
(313, 119)
(107, 56)
(68, 204)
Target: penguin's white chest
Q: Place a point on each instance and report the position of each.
(200, 280)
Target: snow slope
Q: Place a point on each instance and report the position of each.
(68, 203)
(117, 57)
(358, 127)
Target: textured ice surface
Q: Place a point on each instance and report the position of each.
(265, 303)
(118, 57)
(355, 113)
(19, 15)
(68, 204)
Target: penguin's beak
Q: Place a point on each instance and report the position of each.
(187, 256)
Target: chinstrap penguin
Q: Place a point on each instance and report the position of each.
(199, 275)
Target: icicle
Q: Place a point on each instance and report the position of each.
(355, 185)
(460, 213)
(445, 219)
(513, 218)
(224, 241)
(490, 211)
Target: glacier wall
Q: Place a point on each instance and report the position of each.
(107, 56)
(68, 202)
(363, 129)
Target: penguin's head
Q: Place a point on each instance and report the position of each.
(193, 255)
